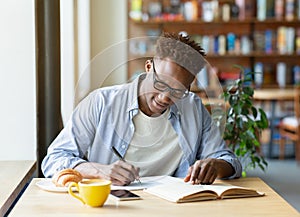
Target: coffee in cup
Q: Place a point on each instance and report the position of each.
(92, 192)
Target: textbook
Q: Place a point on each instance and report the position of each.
(181, 192)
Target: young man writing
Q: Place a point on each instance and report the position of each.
(155, 123)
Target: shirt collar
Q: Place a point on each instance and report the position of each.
(133, 93)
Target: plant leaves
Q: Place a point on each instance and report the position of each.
(248, 90)
(242, 123)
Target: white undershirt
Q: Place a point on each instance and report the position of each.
(154, 147)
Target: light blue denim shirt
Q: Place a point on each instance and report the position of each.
(104, 119)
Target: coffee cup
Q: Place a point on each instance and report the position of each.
(92, 192)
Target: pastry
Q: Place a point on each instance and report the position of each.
(64, 177)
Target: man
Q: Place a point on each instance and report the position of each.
(156, 124)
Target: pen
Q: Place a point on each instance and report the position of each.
(121, 158)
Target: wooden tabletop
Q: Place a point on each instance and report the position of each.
(274, 94)
(13, 177)
(37, 202)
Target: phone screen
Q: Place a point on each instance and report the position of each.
(124, 195)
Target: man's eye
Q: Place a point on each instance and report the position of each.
(178, 93)
(160, 85)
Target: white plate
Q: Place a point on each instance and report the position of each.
(48, 185)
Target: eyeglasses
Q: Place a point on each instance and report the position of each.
(163, 87)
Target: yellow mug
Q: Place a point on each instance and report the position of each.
(92, 192)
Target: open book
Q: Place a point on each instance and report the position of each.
(180, 192)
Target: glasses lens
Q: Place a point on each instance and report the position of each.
(160, 85)
(175, 93)
(178, 93)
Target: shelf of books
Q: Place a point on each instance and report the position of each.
(260, 35)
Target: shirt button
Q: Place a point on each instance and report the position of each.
(123, 146)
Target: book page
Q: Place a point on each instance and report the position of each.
(182, 192)
(147, 182)
(231, 191)
(219, 188)
(179, 191)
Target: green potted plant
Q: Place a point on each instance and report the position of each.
(244, 122)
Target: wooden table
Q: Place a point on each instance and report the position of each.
(37, 202)
(13, 177)
(273, 96)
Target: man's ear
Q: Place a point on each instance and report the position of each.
(148, 65)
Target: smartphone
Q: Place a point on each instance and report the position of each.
(124, 195)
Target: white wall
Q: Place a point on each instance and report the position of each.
(109, 28)
(17, 80)
(18, 72)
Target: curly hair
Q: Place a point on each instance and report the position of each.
(182, 50)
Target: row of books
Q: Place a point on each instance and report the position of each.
(280, 9)
(212, 10)
(281, 74)
(225, 44)
(284, 40)
(244, 9)
(263, 74)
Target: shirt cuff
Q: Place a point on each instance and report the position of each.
(236, 165)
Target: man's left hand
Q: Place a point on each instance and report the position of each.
(207, 170)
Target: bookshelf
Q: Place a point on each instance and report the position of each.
(248, 38)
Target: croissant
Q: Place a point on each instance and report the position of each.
(64, 177)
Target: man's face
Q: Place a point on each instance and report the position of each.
(165, 83)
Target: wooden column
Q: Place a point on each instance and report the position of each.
(48, 75)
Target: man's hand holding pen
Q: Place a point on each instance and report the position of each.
(115, 151)
(119, 172)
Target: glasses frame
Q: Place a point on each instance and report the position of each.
(171, 90)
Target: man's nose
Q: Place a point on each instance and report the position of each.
(165, 97)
